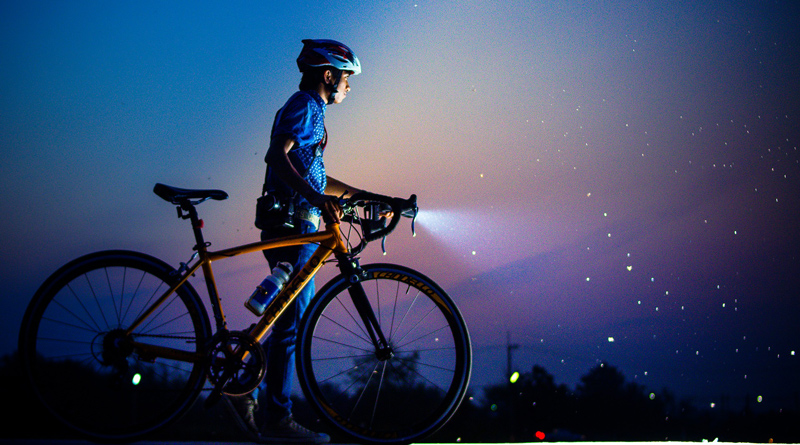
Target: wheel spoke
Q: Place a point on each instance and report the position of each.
(372, 395)
(79, 359)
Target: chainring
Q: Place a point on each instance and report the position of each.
(236, 360)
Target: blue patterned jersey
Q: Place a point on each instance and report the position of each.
(303, 119)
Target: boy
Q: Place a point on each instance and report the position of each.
(296, 172)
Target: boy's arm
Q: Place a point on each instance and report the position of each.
(278, 158)
(339, 189)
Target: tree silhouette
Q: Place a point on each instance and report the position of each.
(611, 409)
(533, 404)
(603, 407)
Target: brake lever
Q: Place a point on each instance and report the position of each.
(413, 219)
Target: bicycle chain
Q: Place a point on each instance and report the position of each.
(176, 337)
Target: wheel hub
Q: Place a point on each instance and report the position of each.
(115, 347)
(384, 353)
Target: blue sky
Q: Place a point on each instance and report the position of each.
(586, 170)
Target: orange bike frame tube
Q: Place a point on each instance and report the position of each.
(327, 246)
(329, 240)
(163, 298)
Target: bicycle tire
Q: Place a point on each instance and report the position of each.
(97, 389)
(400, 399)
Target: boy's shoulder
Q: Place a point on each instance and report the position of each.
(305, 96)
(304, 99)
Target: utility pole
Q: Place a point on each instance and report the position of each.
(509, 348)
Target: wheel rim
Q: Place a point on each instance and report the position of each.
(405, 392)
(81, 362)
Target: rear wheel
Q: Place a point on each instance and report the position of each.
(80, 361)
(379, 396)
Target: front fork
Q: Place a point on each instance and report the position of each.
(355, 275)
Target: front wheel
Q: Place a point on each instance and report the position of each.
(378, 396)
(80, 360)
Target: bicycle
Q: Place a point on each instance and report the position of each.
(117, 344)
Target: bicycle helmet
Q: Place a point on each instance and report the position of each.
(319, 53)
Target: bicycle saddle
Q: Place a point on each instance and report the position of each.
(177, 195)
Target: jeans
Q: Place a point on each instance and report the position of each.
(280, 344)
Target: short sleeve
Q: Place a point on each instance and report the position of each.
(296, 119)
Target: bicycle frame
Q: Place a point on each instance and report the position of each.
(383, 353)
(329, 242)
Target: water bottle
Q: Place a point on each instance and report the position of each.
(268, 289)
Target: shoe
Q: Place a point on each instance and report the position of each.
(243, 410)
(289, 431)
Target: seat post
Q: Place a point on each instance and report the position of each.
(197, 224)
(202, 249)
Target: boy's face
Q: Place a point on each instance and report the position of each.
(343, 88)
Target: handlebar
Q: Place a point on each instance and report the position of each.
(374, 225)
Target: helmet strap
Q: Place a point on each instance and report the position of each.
(336, 74)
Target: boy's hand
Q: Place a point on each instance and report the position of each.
(329, 205)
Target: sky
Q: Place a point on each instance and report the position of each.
(605, 181)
